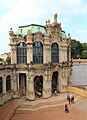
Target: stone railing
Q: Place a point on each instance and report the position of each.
(79, 61)
(76, 90)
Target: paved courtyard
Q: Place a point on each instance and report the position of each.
(78, 111)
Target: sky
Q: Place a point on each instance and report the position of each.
(71, 13)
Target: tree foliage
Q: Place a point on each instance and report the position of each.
(8, 60)
(84, 45)
(84, 54)
(76, 49)
(1, 59)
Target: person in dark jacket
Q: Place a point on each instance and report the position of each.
(66, 108)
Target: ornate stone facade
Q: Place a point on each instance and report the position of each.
(26, 70)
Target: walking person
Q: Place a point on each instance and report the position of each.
(72, 99)
(66, 108)
(68, 98)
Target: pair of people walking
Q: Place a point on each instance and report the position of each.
(70, 100)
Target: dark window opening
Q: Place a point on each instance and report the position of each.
(8, 83)
(38, 85)
(37, 52)
(54, 53)
(54, 82)
(21, 53)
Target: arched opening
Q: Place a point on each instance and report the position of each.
(54, 53)
(38, 52)
(55, 82)
(21, 53)
(8, 83)
(22, 83)
(38, 85)
(1, 88)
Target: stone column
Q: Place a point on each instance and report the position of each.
(47, 91)
(30, 93)
(60, 85)
(61, 81)
(15, 82)
(13, 54)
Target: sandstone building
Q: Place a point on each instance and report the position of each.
(40, 58)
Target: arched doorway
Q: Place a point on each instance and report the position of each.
(22, 84)
(8, 83)
(38, 85)
(55, 82)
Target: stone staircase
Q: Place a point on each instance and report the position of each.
(42, 105)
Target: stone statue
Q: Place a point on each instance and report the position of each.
(55, 18)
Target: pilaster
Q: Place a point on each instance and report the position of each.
(46, 50)
(29, 44)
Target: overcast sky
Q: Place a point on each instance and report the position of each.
(71, 13)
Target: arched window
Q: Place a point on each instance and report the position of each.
(38, 52)
(21, 53)
(54, 53)
(8, 83)
(1, 88)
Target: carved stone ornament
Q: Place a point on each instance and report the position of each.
(38, 36)
(29, 32)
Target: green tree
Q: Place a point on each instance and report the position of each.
(76, 49)
(8, 60)
(84, 45)
(1, 59)
(84, 54)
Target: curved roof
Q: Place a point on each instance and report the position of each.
(63, 34)
(33, 27)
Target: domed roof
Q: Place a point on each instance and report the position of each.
(33, 27)
(63, 34)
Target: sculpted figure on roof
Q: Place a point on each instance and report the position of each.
(29, 32)
(55, 17)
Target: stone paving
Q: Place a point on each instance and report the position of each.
(55, 114)
(7, 108)
(78, 111)
(82, 105)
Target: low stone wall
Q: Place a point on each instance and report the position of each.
(5, 97)
(11, 113)
(76, 90)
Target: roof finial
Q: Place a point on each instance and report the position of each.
(55, 18)
(68, 35)
(38, 28)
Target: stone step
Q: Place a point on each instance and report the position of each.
(43, 106)
(33, 107)
(39, 109)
